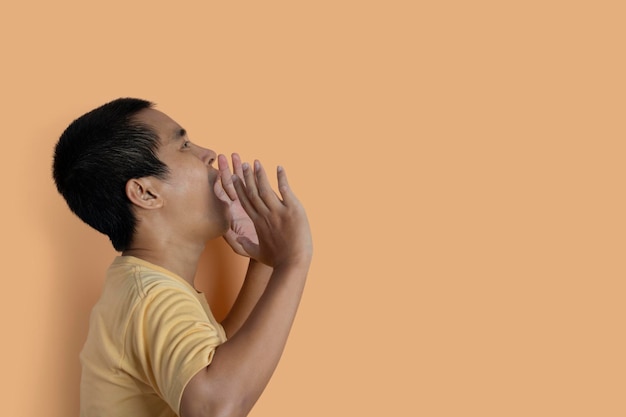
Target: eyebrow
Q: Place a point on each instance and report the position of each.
(179, 134)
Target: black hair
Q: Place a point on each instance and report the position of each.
(94, 159)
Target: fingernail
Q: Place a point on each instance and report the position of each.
(245, 166)
(257, 165)
(280, 168)
(235, 178)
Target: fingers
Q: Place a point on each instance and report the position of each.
(264, 188)
(254, 185)
(220, 193)
(283, 187)
(237, 165)
(226, 177)
(242, 194)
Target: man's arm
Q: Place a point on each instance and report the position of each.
(241, 226)
(251, 290)
(242, 367)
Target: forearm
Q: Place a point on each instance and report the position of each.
(251, 290)
(242, 367)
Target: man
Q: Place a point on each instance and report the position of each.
(154, 348)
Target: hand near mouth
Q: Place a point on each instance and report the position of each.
(241, 226)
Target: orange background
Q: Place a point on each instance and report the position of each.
(462, 164)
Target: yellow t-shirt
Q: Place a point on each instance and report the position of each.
(149, 333)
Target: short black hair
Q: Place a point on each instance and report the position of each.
(94, 159)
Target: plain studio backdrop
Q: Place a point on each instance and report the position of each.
(462, 164)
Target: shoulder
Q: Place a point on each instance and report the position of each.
(145, 280)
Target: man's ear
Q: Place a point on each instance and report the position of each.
(143, 193)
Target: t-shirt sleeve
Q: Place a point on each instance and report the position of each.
(170, 339)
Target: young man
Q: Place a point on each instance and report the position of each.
(154, 348)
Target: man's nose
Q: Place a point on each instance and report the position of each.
(206, 155)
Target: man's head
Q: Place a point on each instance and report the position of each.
(96, 156)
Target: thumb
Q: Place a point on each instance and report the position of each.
(219, 191)
(251, 248)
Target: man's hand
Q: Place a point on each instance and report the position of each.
(243, 365)
(241, 226)
(281, 222)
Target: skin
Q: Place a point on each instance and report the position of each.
(198, 202)
(177, 215)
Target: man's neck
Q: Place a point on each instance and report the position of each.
(179, 258)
